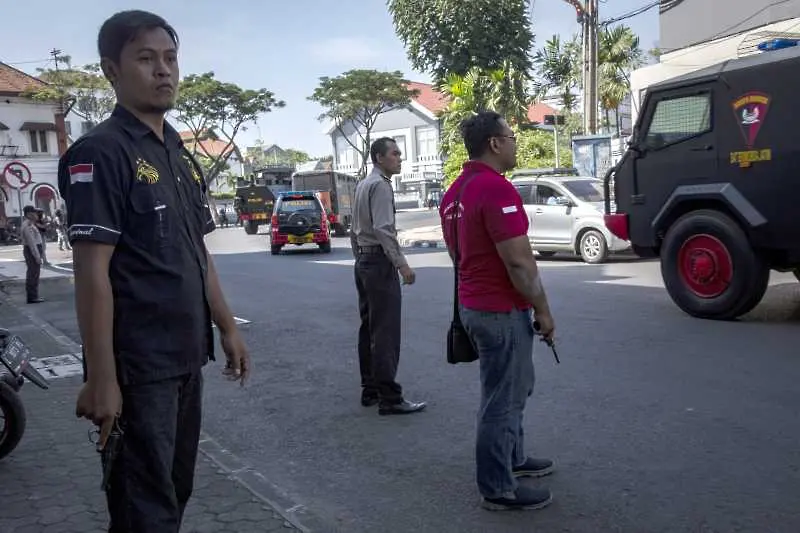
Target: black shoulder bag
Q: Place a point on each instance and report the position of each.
(459, 346)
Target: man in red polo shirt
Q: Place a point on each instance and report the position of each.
(498, 287)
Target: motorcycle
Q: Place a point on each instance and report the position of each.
(15, 356)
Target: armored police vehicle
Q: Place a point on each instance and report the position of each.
(710, 182)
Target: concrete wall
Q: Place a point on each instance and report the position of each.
(691, 22)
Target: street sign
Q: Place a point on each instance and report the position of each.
(17, 175)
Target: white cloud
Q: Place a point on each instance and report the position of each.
(345, 50)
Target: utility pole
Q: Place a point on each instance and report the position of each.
(586, 11)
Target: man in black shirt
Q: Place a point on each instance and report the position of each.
(146, 289)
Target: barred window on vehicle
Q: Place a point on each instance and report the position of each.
(676, 119)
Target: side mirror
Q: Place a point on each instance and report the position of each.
(563, 200)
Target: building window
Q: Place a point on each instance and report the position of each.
(427, 144)
(38, 142)
(400, 140)
(68, 127)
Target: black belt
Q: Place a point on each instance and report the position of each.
(377, 249)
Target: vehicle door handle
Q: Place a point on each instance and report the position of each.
(705, 148)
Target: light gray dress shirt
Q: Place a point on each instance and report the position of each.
(373, 217)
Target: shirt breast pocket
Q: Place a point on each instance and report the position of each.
(152, 220)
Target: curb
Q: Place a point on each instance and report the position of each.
(296, 514)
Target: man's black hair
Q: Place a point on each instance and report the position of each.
(379, 147)
(478, 129)
(126, 26)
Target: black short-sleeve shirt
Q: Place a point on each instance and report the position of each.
(123, 186)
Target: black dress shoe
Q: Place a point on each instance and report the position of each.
(403, 408)
(35, 300)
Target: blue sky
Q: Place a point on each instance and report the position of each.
(282, 46)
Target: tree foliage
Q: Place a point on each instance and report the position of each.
(452, 36)
(358, 97)
(214, 109)
(82, 90)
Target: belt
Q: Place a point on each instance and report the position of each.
(377, 249)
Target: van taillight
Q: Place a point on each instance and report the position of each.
(274, 220)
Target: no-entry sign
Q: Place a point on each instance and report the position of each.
(17, 175)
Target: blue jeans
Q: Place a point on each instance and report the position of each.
(504, 342)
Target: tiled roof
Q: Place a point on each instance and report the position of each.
(207, 147)
(13, 81)
(536, 112)
(429, 97)
(435, 101)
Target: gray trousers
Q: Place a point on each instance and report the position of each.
(379, 304)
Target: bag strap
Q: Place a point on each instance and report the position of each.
(456, 245)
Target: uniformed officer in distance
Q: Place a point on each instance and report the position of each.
(373, 238)
(498, 287)
(146, 290)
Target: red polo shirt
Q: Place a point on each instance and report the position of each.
(491, 212)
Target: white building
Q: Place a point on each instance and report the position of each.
(32, 135)
(698, 34)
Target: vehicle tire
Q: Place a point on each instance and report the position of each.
(14, 419)
(250, 227)
(325, 247)
(545, 254)
(593, 247)
(339, 230)
(709, 268)
(275, 250)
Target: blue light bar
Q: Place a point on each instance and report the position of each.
(777, 44)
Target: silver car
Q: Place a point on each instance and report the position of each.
(566, 215)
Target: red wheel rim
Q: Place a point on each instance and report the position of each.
(705, 266)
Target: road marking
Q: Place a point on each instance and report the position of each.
(58, 266)
(59, 366)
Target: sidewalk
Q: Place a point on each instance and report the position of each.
(51, 482)
(422, 237)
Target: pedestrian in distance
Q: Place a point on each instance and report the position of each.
(32, 250)
(373, 237)
(146, 289)
(498, 286)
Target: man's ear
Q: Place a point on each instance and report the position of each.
(109, 70)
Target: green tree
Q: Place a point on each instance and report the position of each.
(214, 109)
(558, 69)
(357, 98)
(444, 37)
(82, 90)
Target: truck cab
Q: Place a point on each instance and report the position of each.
(711, 181)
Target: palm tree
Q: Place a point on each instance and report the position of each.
(558, 67)
(618, 54)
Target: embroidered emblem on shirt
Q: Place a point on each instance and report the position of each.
(81, 173)
(146, 172)
(192, 168)
(509, 209)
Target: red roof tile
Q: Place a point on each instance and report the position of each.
(14, 82)
(429, 97)
(434, 101)
(536, 112)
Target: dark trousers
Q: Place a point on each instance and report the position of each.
(379, 304)
(32, 273)
(153, 476)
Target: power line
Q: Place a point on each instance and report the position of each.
(638, 11)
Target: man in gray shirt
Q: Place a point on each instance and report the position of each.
(378, 256)
(31, 239)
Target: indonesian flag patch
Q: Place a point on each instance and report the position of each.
(82, 173)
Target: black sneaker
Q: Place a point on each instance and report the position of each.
(534, 468)
(368, 400)
(524, 498)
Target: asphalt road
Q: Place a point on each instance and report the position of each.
(658, 422)
(417, 218)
